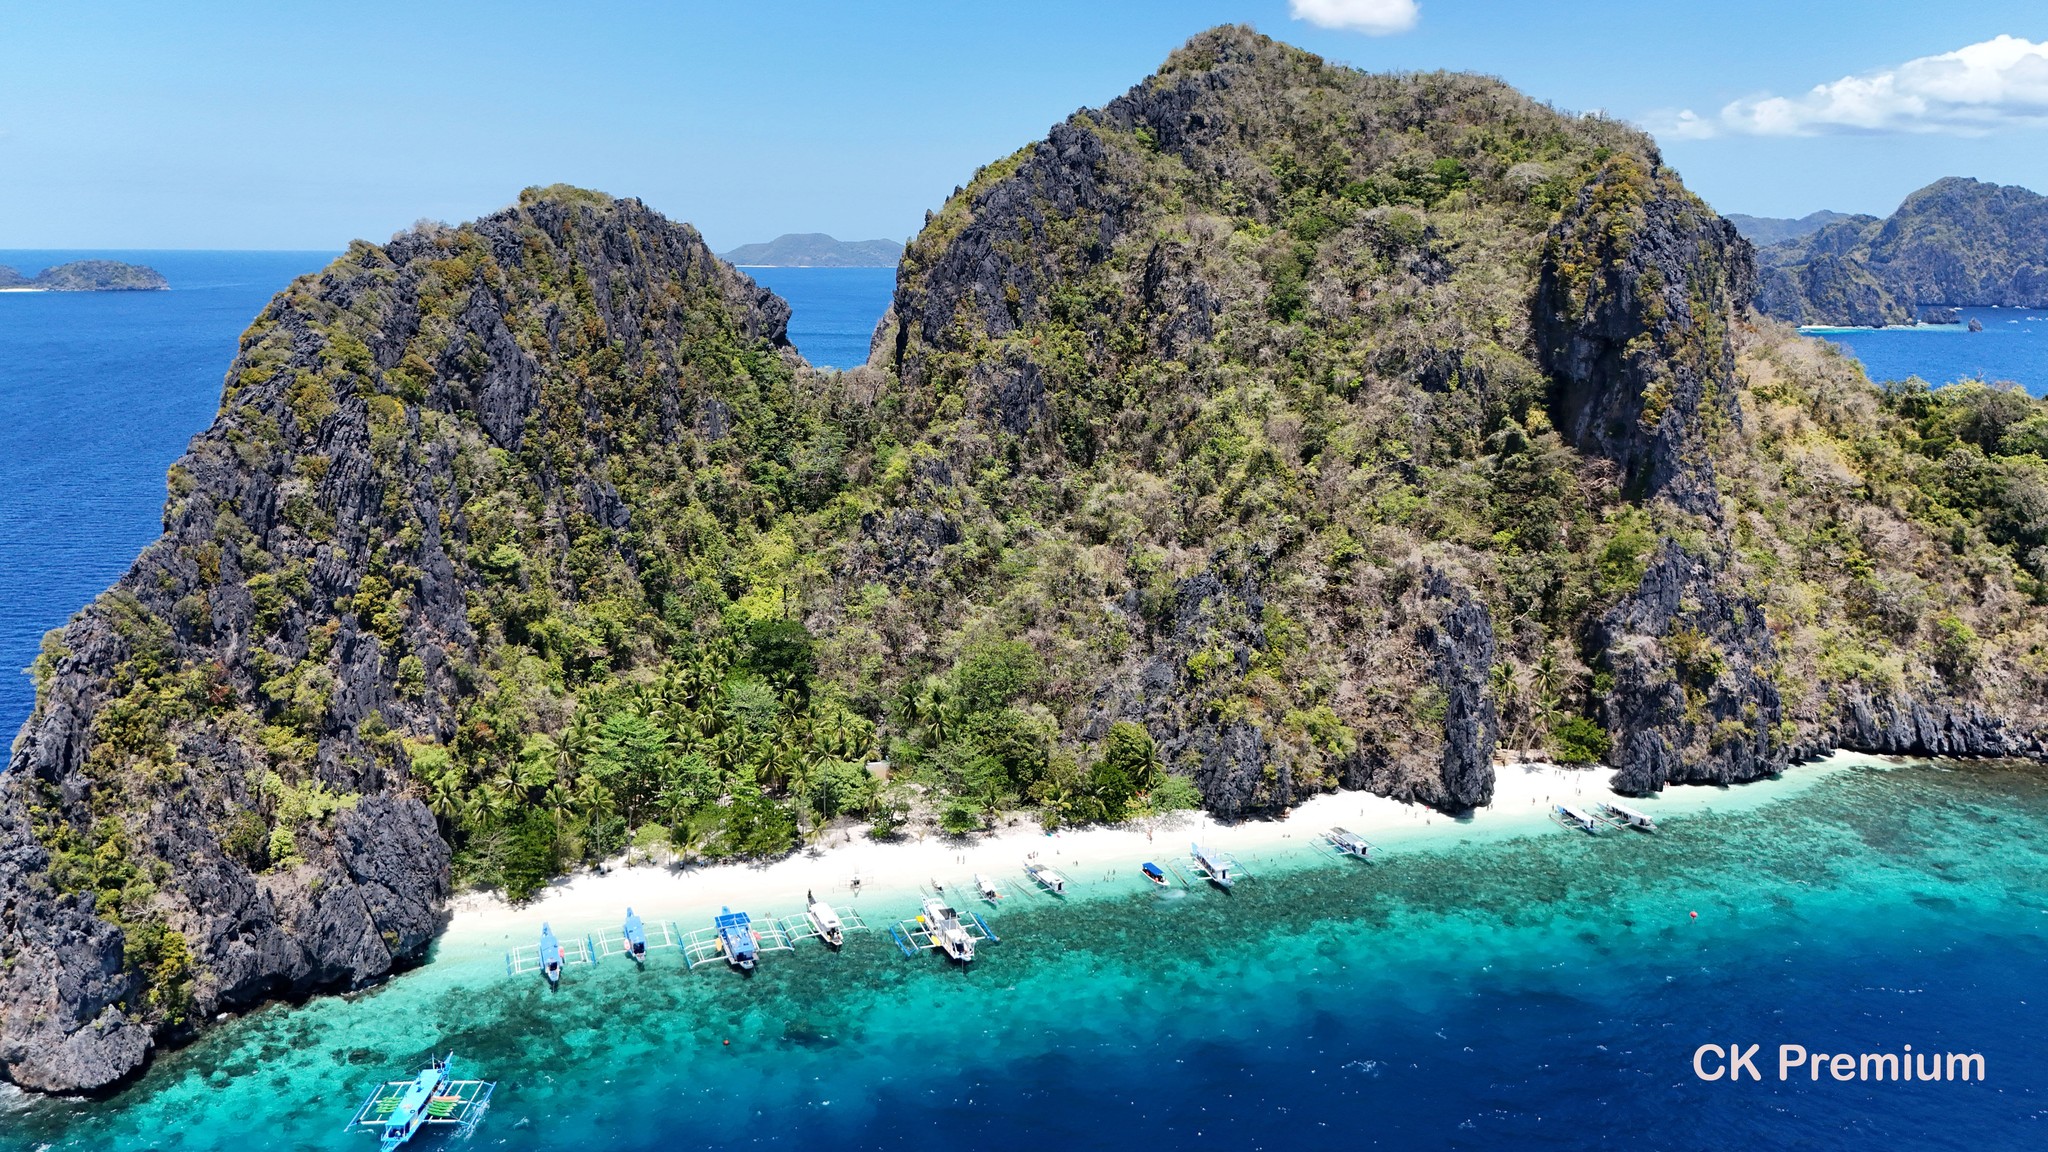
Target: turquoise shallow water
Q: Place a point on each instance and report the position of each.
(1531, 992)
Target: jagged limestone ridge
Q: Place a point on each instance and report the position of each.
(417, 466)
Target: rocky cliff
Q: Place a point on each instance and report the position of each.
(214, 802)
(1955, 243)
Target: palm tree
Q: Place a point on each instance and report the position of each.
(935, 713)
(448, 800)
(1512, 697)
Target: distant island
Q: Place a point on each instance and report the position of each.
(1957, 243)
(1763, 230)
(86, 276)
(816, 250)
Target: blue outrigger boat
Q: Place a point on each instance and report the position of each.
(551, 956)
(398, 1109)
(736, 939)
(1154, 873)
(635, 933)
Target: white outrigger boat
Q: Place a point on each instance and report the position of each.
(1215, 867)
(941, 929)
(947, 933)
(1629, 818)
(1572, 816)
(987, 888)
(824, 922)
(821, 922)
(1046, 877)
(1345, 842)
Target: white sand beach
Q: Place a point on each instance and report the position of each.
(882, 878)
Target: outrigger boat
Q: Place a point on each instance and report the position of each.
(551, 957)
(1215, 867)
(635, 939)
(398, 1109)
(987, 888)
(1348, 843)
(1572, 816)
(824, 922)
(820, 920)
(944, 923)
(635, 933)
(1154, 873)
(941, 928)
(1045, 877)
(735, 938)
(1629, 818)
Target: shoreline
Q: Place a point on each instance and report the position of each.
(884, 880)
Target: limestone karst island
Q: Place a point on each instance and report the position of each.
(1338, 599)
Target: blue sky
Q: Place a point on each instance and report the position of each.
(261, 126)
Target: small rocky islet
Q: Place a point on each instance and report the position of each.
(1276, 427)
(87, 276)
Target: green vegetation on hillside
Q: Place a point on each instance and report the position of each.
(1116, 528)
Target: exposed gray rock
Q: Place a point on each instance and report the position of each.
(1635, 331)
(1915, 727)
(1460, 640)
(1693, 701)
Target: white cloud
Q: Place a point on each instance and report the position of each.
(1372, 17)
(1968, 92)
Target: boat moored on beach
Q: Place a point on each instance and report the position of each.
(635, 934)
(1345, 842)
(952, 937)
(551, 957)
(1154, 873)
(1045, 877)
(1629, 818)
(825, 923)
(1217, 868)
(987, 888)
(1572, 816)
(938, 927)
(735, 938)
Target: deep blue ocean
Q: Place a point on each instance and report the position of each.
(833, 310)
(1531, 991)
(2012, 347)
